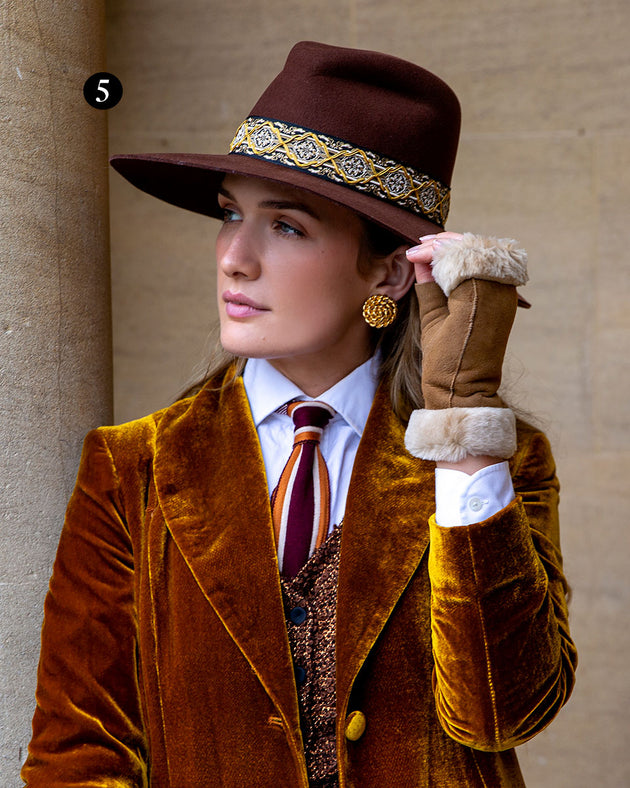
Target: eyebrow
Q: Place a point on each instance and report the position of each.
(278, 205)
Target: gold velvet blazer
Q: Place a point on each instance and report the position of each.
(165, 659)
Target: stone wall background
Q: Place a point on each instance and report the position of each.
(55, 331)
(544, 157)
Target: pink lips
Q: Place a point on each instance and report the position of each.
(238, 305)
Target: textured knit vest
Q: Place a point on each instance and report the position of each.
(310, 600)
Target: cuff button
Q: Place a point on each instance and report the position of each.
(475, 504)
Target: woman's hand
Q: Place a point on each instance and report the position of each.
(422, 255)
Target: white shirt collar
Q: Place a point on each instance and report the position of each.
(267, 390)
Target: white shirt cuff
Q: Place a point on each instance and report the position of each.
(463, 499)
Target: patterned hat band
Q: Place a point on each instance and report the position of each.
(341, 162)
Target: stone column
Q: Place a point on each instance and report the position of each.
(55, 338)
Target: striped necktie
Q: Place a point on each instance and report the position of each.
(300, 503)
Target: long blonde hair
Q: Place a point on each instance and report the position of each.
(398, 345)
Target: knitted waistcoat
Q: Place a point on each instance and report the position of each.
(309, 603)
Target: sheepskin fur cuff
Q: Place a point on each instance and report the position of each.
(477, 257)
(449, 435)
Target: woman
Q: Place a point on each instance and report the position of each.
(218, 616)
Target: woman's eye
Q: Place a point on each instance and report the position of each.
(288, 229)
(230, 215)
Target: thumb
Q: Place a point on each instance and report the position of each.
(433, 305)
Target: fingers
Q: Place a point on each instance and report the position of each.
(422, 255)
(423, 272)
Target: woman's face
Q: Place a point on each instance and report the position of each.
(289, 289)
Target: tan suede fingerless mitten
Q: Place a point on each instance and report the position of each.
(466, 317)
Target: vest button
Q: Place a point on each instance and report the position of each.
(297, 615)
(300, 674)
(355, 725)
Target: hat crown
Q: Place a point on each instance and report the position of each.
(375, 101)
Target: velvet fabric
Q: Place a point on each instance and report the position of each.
(165, 658)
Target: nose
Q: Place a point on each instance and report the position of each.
(237, 252)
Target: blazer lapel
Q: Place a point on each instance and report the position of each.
(212, 490)
(385, 534)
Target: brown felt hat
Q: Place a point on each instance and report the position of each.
(367, 130)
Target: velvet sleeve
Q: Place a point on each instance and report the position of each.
(87, 727)
(504, 659)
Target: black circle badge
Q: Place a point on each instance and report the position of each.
(102, 90)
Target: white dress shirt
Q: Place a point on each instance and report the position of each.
(461, 499)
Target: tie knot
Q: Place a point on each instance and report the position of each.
(310, 416)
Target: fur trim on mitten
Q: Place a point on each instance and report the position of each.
(478, 257)
(449, 435)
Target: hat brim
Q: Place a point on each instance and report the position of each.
(192, 181)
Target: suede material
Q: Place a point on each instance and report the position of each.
(463, 341)
(464, 338)
(165, 659)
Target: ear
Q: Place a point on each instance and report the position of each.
(396, 274)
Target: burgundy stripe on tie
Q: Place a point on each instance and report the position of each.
(300, 503)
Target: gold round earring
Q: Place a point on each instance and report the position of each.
(379, 311)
